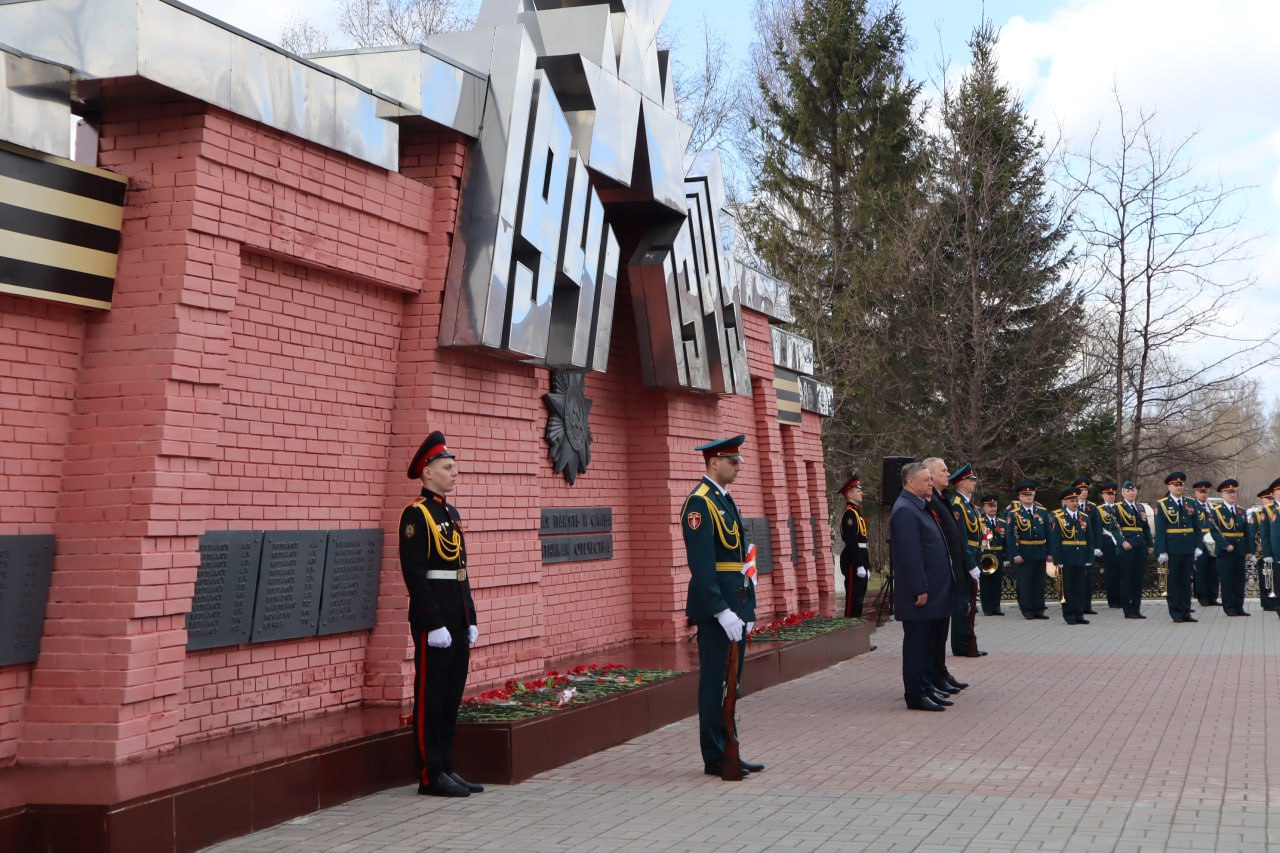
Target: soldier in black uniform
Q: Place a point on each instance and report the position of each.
(1027, 546)
(853, 557)
(722, 600)
(990, 585)
(1230, 531)
(1178, 536)
(1260, 533)
(1071, 546)
(968, 518)
(1089, 510)
(1109, 542)
(1135, 546)
(442, 616)
(1206, 565)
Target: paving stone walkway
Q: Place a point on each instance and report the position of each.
(1121, 735)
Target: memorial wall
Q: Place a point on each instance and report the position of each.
(315, 263)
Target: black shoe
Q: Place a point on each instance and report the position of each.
(1134, 616)
(750, 766)
(1091, 613)
(943, 688)
(442, 785)
(1041, 616)
(873, 647)
(1190, 619)
(1115, 606)
(714, 769)
(940, 698)
(1214, 604)
(1244, 613)
(472, 787)
(981, 653)
(924, 703)
(953, 682)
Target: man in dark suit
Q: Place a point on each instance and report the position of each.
(942, 678)
(924, 588)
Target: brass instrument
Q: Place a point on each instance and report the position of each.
(989, 564)
(1269, 572)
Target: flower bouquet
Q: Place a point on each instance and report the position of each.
(520, 699)
(799, 626)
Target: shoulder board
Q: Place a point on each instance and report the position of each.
(1057, 513)
(955, 500)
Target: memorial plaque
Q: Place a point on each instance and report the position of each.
(576, 549)
(576, 520)
(226, 582)
(759, 533)
(289, 578)
(26, 563)
(352, 568)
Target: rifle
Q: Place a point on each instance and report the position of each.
(730, 763)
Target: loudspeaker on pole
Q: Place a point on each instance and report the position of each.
(891, 479)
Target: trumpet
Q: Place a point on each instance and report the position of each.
(1269, 572)
(989, 564)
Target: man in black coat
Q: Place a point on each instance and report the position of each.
(923, 585)
(942, 679)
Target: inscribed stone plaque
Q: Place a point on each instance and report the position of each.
(288, 602)
(226, 582)
(759, 533)
(576, 520)
(26, 563)
(352, 564)
(575, 549)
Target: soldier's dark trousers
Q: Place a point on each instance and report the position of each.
(713, 655)
(989, 590)
(1075, 581)
(855, 593)
(1206, 580)
(960, 636)
(1030, 579)
(1114, 577)
(439, 678)
(1179, 586)
(1133, 570)
(1231, 576)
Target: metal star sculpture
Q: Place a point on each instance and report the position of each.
(568, 434)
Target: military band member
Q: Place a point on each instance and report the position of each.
(1071, 546)
(854, 564)
(1090, 511)
(990, 584)
(1230, 531)
(1271, 537)
(1026, 545)
(721, 600)
(442, 616)
(964, 643)
(1178, 532)
(1109, 540)
(1136, 545)
(1206, 569)
(1260, 534)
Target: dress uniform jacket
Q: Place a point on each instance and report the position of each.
(1178, 534)
(1027, 536)
(433, 560)
(1131, 527)
(968, 520)
(853, 532)
(989, 585)
(1230, 529)
(1071, 546)
(715, 539)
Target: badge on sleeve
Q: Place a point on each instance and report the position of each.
(409, 531)
(694, 520)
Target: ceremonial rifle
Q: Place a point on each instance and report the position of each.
(730, 761)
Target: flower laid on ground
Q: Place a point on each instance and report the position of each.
(519, 699)
(800, 626)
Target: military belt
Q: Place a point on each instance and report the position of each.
(862, 544)
(1233, 535)
(1073, 542)
(1178, 530)
(728, 567)
(439, 575)
(1030, 541)
(974, 543)
(1132, 529)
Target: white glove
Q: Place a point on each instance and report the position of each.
(1266, 560)
(1163, 559)
(440, 638)
(1005, 564)
(1097, 552)
(862, 572)
(1198, 553)
(974, 573)
(731, 624)
(750, 625)
(472, 633)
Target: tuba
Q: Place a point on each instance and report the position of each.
(989, 564)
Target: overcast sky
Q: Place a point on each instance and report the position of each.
(1207, 68)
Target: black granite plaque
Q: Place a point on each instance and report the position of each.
(222, 607)
(576, 520)
(758, 533)
(352, 566)
(26, 563)
(288, 601)
(577, 549)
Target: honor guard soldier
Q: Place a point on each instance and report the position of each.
(722, 599)
(1071, 546)
(1026, 545)
(853, 557)
(991, 561)
(442, 616)
(1090, 511)
(1206, 568)
(1230, 531)
(1108, 539)
(964, 642)
(1178, 532)
(1135, 546)
(1261, 535)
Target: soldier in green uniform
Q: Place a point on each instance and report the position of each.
(1090, 511)
(993, 533)
(1206, 568)
(1071, 546)
(1260, 532)
(853, 557)
(1178, 531)
(721, 600)
(964, 643)
(1026, 545)
(1271, 537)
(442, 616)
(1135, 546)
(1108, 540)
(1230, 529)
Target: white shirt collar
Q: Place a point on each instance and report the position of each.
(715, 485)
